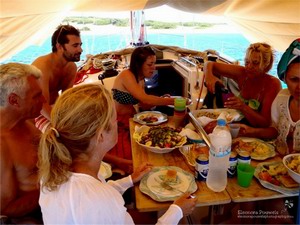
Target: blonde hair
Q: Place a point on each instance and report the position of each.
(13, 79)
(78, 114)
(266, 55)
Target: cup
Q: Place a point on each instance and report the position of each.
(244, 174)
(234, 130)
(225, 96)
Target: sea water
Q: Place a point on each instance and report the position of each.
(233, 45)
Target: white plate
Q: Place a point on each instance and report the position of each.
(161, 117)
(105, 170)
(270, 149)
(266, 184)
(230, 114)
(150, 185)
(190, 102)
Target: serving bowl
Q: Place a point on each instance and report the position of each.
(292, 163)
(148, 137)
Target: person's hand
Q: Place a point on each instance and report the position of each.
(141, 171)
(210, 83)
(186, 203)
(234, 103)
(245, 130)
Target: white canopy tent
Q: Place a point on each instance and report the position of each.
(276, 22)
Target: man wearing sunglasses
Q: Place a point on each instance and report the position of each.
(58, 68)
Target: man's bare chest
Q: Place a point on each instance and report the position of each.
(56, 81)
(21, 151)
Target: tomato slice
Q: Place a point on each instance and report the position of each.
(264, 175)
(168, 145)
(275, 182)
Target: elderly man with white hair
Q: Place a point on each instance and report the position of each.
(21, 100)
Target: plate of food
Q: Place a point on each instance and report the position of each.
(274, 176)
(213, 114)
(192, 151)
(159, 139)
(150, 118)
(258, 149)
(178, 179)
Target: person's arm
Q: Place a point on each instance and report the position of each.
(13, 204)
(213, 71)
(263, 133)
(182, 206)
(69, 77)
(121, 163)
(123, 184)
(130, 84)
(44, 83)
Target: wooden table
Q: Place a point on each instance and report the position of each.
(255, 191)
(206, 197)
(144, 203)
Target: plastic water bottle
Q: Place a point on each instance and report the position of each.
(179, 112)
(219, 157)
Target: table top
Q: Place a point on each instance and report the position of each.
(255, 191)
(206, 197)
(175, 158)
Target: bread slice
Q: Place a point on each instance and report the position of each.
(171, 176)
(288, 182)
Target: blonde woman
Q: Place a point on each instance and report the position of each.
(286, 106)
(257, 88)
(83, 130)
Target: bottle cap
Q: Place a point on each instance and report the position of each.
(221, 122)
(179, 103)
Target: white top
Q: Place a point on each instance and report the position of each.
(283, 122)
(86, 200)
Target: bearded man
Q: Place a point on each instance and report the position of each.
(58, 68)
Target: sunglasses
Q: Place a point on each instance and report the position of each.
(62, 28)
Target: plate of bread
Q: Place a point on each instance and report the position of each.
(274, 176)
(192, 151)
(258, 149)
(178, 179)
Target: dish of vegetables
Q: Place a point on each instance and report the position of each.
(159, 139)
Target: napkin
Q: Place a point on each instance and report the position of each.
(191, 134)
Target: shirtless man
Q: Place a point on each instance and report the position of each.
(58, 67)
(21, 100)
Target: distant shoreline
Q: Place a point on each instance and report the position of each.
(111, 29)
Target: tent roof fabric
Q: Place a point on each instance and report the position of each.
(276, 22)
